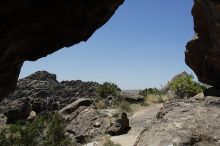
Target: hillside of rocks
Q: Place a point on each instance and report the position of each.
(41, 94)
(183, 122)
(42, 90)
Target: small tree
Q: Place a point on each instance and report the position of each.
(150, 91)
(107, 89)
(45, 131)
(55, 132)
(185, 86)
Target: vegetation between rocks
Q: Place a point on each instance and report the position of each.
(153, 95)
(107, 89)
(110, 143)
(123, 106)
(185, 86)
(46, 130)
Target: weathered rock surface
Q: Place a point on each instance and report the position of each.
(203, 52)
(84, 121)
(47, 94)
(31, 29)
(187, 122)
(18, 109)
(69, 109)
(121, 125)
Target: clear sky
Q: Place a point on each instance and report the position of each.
(141, 46)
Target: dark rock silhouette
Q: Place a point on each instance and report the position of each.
(31, 29)
(203, 52)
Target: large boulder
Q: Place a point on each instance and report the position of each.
(186, 122)
(69, 109)
(121, 125)
(88, 124)
(203, 52)
(84, 121)
(18, 110)
(31, 29)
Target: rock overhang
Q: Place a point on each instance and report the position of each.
(31, 29)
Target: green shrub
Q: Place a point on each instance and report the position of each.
(124, 106)
(150, 91)
(100, 104)
(110, 143)
(185, 86)
(153, 95)
(155, 99)
(107, 89)
(45, 131)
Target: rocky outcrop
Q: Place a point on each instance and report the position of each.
(41, 92)
(132, 96)
(69, 109)
(203, 52)
(18, 110)
(84, 121)
(186, 122)
(32, 29)
(47, 94)
(121, 125)
(87, 124)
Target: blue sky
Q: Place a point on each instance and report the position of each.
(141, 46)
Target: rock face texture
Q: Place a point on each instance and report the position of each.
(187, 122)
(203, 52)
(121, 125)
(84, 121)
(31, 29)
(17, 110)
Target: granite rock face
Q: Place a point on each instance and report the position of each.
(31, 29)
(203, 52)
